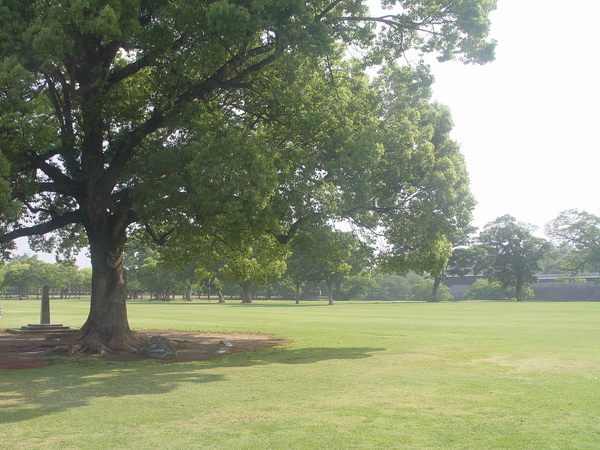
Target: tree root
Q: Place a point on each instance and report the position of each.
(91, 343)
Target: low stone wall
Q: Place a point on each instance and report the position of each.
(573, 291)
(548, 291)
(458, 290)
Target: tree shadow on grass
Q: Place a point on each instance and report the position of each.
(27, 394)
(281, 355)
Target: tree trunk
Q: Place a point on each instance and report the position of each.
(188, 293)
(246, 291)
(436, 284)
(221, 296)
(107, 328)
(337, 286)
(519, 290)
(297, 294)
(330, 291)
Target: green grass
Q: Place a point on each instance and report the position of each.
(357, 375)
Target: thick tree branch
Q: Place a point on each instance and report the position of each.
(35, 210)
(294, 228)
(130, 69)
(61, 183)
(57, 188)
(327, 10)
(73, 217)
(126, 147)
(221, 78)
(160, 239)
(388, 20)
(55, 174)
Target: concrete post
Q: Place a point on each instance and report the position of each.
(45, 315)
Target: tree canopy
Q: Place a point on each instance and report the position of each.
(580, 230)
(223, 118)
(511, 254)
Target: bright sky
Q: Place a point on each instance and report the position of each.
(528, 122)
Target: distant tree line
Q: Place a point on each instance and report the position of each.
(25, 275)
(328, 263)
(324, 263)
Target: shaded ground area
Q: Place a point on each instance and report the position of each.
(27, 351)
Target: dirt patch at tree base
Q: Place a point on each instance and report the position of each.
(28, 351)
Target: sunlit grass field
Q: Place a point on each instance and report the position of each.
(468, 375)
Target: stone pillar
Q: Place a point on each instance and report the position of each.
(45, 315)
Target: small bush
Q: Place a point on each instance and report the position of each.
(486, 290)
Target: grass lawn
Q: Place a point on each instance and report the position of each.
(357, 375)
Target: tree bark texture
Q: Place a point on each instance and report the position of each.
(519, 289)
(107, 328)
(436, 284)
(246, 292)
(330, 291)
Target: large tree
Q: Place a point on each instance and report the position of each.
(253, 264)
(511, 253)
(429, 198)
(106, 105)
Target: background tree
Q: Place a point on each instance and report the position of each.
(83, 281)
(17, 278)
(428, 199)
(581, 232)
(26, 274)
(158, 280)
(393, 286)
(356, 287)
(554, 260)
(461, 259)
(327, 253)
(106, 105)
(493, 290)
(301, 268)
(355, 283)
(254, 263)
(487, 290)
(511, 254)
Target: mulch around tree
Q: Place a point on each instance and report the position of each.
(29, 351)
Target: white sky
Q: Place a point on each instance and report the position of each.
(528, 122)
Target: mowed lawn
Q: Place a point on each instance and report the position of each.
(467, 375)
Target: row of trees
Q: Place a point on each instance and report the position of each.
(150, 279)
(25, 274)
(337, 264)
(506, 252)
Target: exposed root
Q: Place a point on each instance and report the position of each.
(92, 346)
(91, 343)
(32, 351)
